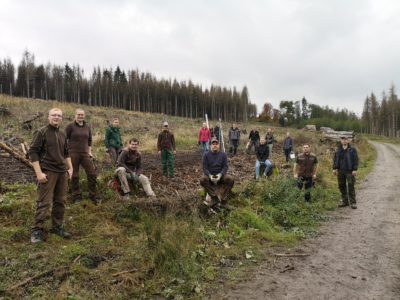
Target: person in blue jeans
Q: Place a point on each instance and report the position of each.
(262, 153)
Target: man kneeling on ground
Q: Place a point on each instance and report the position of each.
(215, 180)
(129, 168)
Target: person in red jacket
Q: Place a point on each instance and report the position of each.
(204, 138)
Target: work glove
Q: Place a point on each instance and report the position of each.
(214, 179)
(219, 175)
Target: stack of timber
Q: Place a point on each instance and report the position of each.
(333, 135)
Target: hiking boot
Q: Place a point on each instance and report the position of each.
(37, 236)
(76, 199)
(126, 197)
(343, 204)
(353, 206)
(60, 231)
(94, 200)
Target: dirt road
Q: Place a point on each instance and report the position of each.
(355, 257)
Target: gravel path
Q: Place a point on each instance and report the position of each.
(355, 257)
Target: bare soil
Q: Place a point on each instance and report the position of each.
(356, 256)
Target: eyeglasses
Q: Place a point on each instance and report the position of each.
(56, 115)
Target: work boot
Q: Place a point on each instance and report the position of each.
(94, 199)
(353, 206)
(37, 236)
(60, 231)
(343, 204)
(76, 198)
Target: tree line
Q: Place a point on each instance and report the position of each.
(300, 113)
(131, 90)
(382, 117)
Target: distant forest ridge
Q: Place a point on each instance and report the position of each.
(131, 90)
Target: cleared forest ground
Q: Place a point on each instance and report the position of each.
(168, 248)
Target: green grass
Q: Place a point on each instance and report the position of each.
(170, 256)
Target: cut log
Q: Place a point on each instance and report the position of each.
(15, 154)
(336, 135)
(310, 128)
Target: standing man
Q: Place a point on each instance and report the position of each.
(113, 139)
(288, 146)
(129, 168)
(217, 132)
(167, 148)
(234, 139)
(305, 170)
(269, 137)
(52, 164)
(204, 138)
(254, 140)
(262, 153)
(345, 165)
(215, 181)
(79, 137)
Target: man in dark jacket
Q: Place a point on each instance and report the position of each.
(52, 164)
(305, 170)
(216, 182)
(234, 139)
(217, 132)
(262, 153)
(129, 168)
(288, 146)
(254, 140)
(79, 137)
(345, 165)
(167, 148)
(113, 140)
(269, 137)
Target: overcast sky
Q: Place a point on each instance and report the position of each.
(333, 52)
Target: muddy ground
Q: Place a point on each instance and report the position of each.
(355, 256)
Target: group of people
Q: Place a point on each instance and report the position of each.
(345, 163)
(57, 156)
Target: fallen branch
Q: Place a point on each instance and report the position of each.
(124, 272)
(41, 275)
(15, 153)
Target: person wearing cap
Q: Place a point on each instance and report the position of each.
(305, 170)
(345, 165)
(262, 154)
(167, 148)
(204, 138)
(113, 140)
(215, 181)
